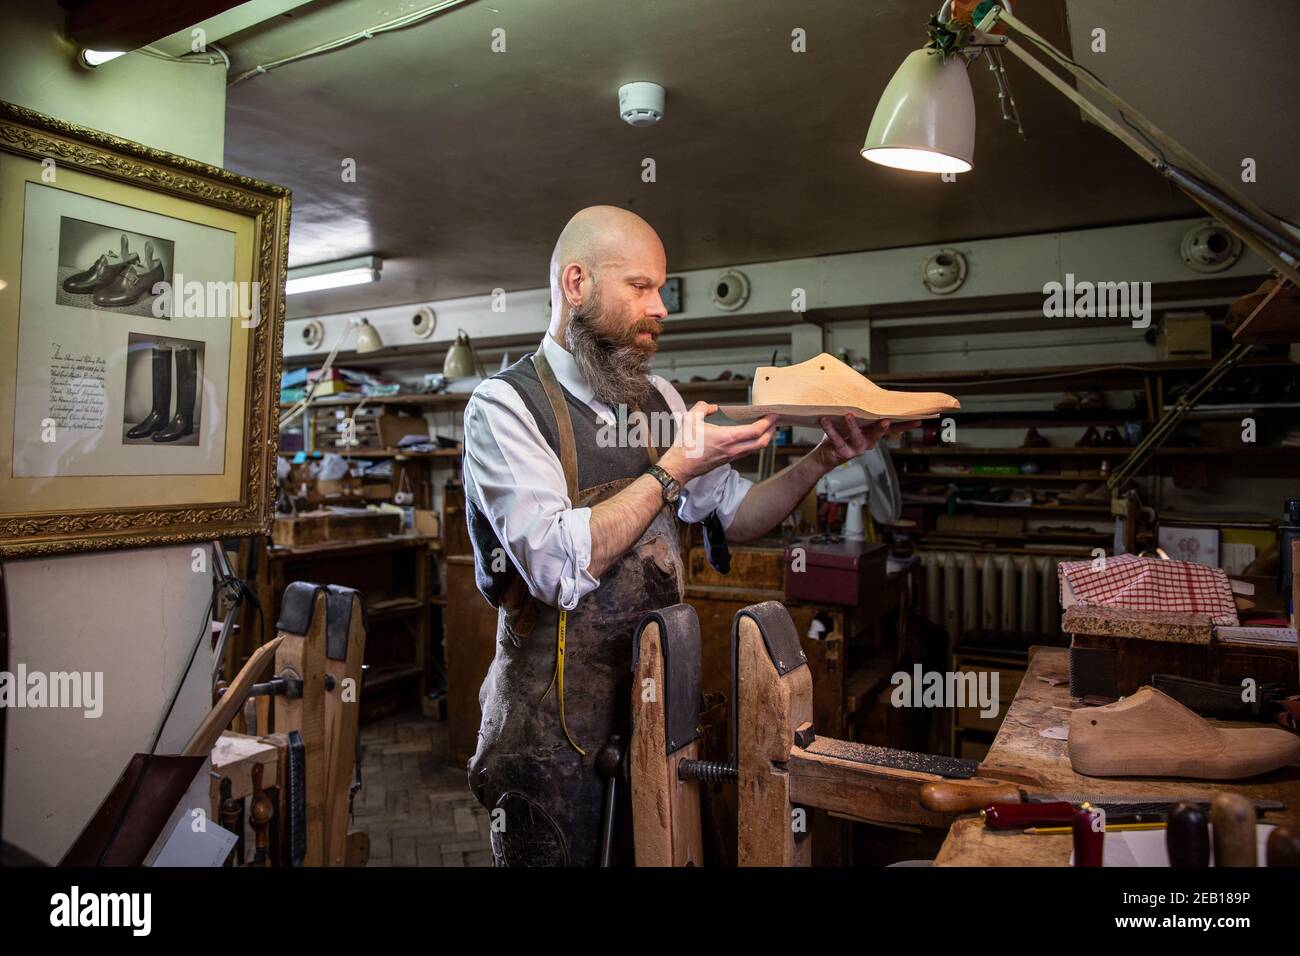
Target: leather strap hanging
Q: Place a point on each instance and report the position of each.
(563, 424)
(569, 462)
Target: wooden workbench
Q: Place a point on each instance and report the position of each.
(1042, 764)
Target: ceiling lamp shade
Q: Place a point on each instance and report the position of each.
(925, 120)
(368, 339)
(461, 360)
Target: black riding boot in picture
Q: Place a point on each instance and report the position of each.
(182, 423)
(162, 396)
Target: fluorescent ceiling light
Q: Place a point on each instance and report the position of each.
(93, 58)
(334, 275)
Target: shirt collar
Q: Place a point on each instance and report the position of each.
(565, 367)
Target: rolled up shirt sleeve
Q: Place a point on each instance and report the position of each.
(518, 482)
(721, 490)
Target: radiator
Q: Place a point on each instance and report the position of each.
(1012, 593)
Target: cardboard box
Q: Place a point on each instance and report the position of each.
(1187, 335)
(426, 521)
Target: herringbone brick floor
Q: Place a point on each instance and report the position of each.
(417, 810)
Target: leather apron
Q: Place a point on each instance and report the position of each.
(551, 797)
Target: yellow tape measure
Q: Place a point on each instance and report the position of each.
(557, 679)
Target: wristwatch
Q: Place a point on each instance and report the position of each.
(672, 487)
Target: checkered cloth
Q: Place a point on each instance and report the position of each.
(1149, 584)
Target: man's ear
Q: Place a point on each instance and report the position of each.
(571, 284)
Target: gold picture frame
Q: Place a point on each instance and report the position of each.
(71, 476)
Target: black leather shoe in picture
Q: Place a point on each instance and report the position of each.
(182, 423)
(133, 282)
(162, 396)
(106, 269)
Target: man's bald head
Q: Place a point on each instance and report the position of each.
(599, 237)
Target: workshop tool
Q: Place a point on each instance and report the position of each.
(665, 735)
(1283, 848)
(961, 797)
(232, 819)
(316, 689)
(1187, 839)
(1108, 828)
(782, 768)
(132, 816)
(1015, 816)
(260, 814)
(1089, 836)
(609, 764)
(296, 798)
(1233, 823)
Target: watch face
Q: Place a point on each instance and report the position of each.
(672, 492)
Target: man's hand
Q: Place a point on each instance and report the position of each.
(701, 447)
(850, 441)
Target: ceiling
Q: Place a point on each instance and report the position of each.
(469, 161)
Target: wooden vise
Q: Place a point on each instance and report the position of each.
(311, 705)
(782, 769)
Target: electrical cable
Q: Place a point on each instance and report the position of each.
(397, 23)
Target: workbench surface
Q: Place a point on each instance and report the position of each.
(1040, 763)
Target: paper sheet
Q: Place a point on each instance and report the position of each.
(1147, 847)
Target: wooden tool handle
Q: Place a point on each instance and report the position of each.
(1187, 837)
(1017, 816)
(962, 796)
(1089, 833)
(1233, 818)
(232, 700)
(1284, 847)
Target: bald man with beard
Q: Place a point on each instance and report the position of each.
(575, 536)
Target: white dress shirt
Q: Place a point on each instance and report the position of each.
(518, 482)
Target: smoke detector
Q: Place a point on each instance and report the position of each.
(641, 104)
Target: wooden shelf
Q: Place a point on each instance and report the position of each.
(388, 453)
(370, 544)
(925, 541)
(381, 677)
(1008, 506)
(917, 451)
(1049, 375)
(425, 401)
(950, 476)
(393, 607)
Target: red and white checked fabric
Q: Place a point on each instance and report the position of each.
(1149, 584)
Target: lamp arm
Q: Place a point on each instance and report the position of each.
(1256, 227)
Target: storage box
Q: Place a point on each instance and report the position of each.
(847, 572)
(1187, 335)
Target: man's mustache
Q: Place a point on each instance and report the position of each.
(645, 325)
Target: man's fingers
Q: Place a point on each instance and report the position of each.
(763, 426)
(746, 447)
(857, 435)
(837, 442)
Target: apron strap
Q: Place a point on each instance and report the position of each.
(563, 423)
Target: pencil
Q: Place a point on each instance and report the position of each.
(1045, 831)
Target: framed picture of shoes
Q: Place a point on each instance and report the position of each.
(141, 323)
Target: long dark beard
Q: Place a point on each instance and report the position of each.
(616, 371)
